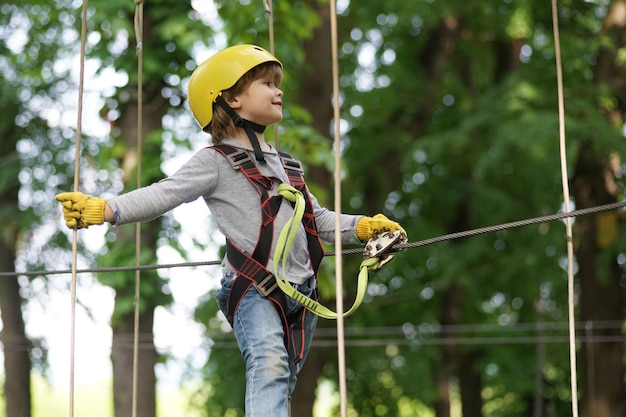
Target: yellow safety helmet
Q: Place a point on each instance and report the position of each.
(220, 72)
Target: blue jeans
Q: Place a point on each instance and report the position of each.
(270, 373)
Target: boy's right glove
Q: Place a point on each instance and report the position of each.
(367, 226)
(81, 210)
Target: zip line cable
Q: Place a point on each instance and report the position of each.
(568, 220)
(396, 248)
(496, 228)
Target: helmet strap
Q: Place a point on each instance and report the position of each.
(249, 127)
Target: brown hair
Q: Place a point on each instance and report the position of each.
(222, 125)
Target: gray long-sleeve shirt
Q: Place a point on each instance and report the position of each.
(235, 205)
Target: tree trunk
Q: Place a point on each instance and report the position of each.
(316, 86)
(122, 325)
(17, 363)
(304, 394)
(601, 295)
(154, 106)
(16, 345)
(123, 367)
(470, 384)
(450, 315)
(315, 96)
(599, 276)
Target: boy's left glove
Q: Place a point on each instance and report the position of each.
(81, 210)
(367, 226)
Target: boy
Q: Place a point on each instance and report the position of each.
(234, 95)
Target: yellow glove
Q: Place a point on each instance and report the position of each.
(81, 210)
(367, 226)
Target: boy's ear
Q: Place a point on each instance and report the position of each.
(234, 102)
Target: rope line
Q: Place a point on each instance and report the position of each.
(79, 129)
(341, 351)
(267, 6)
(447, 341)
(566, 202)
(396, 248)
(138, 21)
(425, 334)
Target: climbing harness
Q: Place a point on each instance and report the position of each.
(275, 287)
(252, 267)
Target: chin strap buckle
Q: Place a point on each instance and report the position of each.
(380, 246)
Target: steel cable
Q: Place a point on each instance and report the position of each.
(395, 248)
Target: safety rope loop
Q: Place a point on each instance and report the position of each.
(290, 193)
(283, 246)
(288, 233)
(371, 264)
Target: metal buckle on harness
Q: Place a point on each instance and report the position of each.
(261, 286)
(381, 245)
(290, 163)
(238, 158)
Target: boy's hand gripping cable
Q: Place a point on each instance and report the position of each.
(377, 253)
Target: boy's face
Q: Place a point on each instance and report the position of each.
(261, 102)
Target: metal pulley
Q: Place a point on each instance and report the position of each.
(381, 246)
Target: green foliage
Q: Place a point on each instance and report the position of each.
(450, 142)
(450, 123)
(174, 30)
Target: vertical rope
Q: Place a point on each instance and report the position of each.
(139, 36)
(568, 220)
(267, 4)
(79, 129)
(341, 354)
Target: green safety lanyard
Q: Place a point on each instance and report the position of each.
(283, 246)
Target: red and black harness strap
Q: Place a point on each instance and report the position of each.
(253, 268)
(294, 172)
